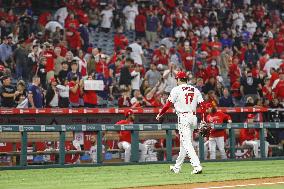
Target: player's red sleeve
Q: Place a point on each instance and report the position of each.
(203, 110)
(165, 108)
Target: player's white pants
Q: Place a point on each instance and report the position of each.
(253, 144)
(217, 142)
(127, 150)
(186, 120)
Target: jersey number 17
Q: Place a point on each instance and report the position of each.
(189, 97)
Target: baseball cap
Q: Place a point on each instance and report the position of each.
(52, 80)
(128, 112)
(250, 116)
(181, 75)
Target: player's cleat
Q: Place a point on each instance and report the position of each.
(174, 169)
(197, 170)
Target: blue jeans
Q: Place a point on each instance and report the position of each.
(19, 71)
(167, 32)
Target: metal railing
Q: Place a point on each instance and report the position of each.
(99, 129)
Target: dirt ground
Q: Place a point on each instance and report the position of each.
(216, 184)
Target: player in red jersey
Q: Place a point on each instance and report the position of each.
(217, 136)
(125, 138)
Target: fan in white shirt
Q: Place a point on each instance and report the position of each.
(137, 52)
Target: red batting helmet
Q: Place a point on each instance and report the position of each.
(181, 75)
(250, 116)
(128, 112)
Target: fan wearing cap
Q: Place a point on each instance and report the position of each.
(125, 137)
(217, 136)
(50, 65)
(185, 99)
(250, 137)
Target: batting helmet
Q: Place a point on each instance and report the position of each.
(181, 75)
(128, 113)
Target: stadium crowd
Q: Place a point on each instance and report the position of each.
(233, 51)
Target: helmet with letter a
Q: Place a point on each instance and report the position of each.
(181, 77)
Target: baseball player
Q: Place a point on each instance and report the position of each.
(250, 137)
(217, 136)
(185, 99)
(125, 138)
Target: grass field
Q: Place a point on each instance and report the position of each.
(135, 175)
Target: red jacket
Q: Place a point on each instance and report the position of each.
(49, 55)
(279, 89)
(212, 71)
(218, 117)
(74, 41)
(140, 23)
(120, 41)
(124, 135)
(247, 134)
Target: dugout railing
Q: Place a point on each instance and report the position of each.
(135, 129)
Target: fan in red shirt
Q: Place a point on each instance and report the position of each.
(49, 54)
(125, 137)
(120, 41)
(201, 72)
(71, 22)
(188, 56)
(216, 47)
(279, 44)
(161, 56)
(73, 39)
(270, 46)
(279, 89)
(140, 25)
(74, 93)
(234, 70)
(90, 96)
(212, 70)
(217, 136)
(44, 18)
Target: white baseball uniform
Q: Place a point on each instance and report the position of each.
(185, 99)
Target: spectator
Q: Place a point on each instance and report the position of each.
(74, 71)
(153, 76)
(58, 61)
(8, 92)
(120, 40)
(210, 85)
(6, 52)
(130, 12)
(137, 52)
(140, 25)
(226, 100)
(33, 61)
(106, 18)
(21, 99)
(278, 91)
(49, 55)
(249, 86)
(52, 96)
(63, 92)
(90, 96)
(94, 59)
(125, 75)
(137, 100)
(136, 78)
(152, 27)
(251, 56)
(124, 100)
(74, 91)
(35, 94)
(169, 77)
(21, 60)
